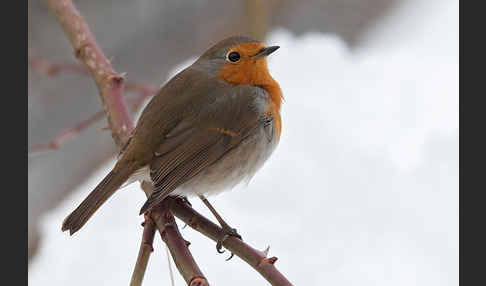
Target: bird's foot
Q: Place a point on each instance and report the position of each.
(226, 232)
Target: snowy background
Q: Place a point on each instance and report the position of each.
(362, 190)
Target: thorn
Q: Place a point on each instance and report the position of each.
(163, 234)
(272, 260)
(265, 252)
(151, 246)
(78, 52)
(142, 224)
(118, 79)
(187, 243)
(198, 281)
(54, 145)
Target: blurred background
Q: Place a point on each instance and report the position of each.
(363, 188)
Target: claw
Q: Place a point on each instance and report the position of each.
(218, 248)
(228, 231)
(234, 233)
(219, 244)
(231, 256)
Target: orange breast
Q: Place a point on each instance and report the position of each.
(252, 71)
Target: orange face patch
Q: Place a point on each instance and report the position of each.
(254, 71)
(247, 70)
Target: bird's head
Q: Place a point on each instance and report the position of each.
(239, 60)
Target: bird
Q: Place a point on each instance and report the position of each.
(210, 127)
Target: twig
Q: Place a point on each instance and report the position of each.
(144, 92)
(255, 258)
(67, 134)
(146, 248)
(57, 68)
(171, 274)
(110, 84)
(178, 247)
(54, 69)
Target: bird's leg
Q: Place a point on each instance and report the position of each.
(227, 230)
(186, 201)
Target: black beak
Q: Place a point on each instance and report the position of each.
(266, 51)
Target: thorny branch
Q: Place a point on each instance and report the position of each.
(146, 248)
(111, 87)
(255, 258)
(67, 134)
(178, 247)
(87, 50)
(161, 217)
(60, 68)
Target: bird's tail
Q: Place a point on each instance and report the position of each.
(107, 187)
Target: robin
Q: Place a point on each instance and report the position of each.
(209, 127)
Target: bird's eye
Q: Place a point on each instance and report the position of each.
(234, 57)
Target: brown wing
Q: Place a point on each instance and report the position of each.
(234, 114)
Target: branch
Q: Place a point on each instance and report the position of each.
(255, 258)
(67, 134)
(178, 247)
(146, 249)
(110, 84)
(144, 92)
(54, 69)
(57, 68)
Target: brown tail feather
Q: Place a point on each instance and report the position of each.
(107, 187)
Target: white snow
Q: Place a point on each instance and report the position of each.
(362, 190)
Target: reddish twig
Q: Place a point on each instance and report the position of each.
(144, 92)
(146, 248)
(54, 69)
(255, 258)
(67, 134)
(178, 247)
(86, 49)
(57, 68)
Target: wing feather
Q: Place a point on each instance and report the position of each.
(217, 129)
